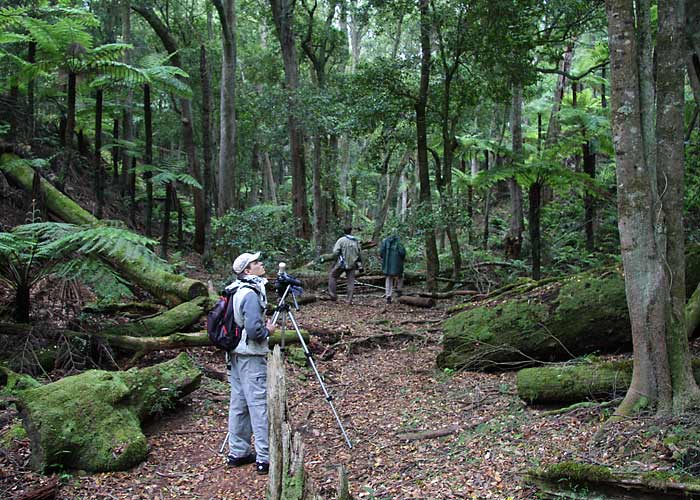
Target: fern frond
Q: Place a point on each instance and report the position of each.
(7, 38)
(106, 283)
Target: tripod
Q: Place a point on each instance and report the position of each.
(284, 309)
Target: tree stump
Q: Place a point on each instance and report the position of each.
(92, 421)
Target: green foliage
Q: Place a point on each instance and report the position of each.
(265, 228)
(32, 251)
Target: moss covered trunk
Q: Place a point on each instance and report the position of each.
(92, 421)
(172, 288)
(552, 321)
(579, 382)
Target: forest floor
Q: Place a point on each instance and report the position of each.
(380, 368)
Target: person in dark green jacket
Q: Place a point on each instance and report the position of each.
(393, 254)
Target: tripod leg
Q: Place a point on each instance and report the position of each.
(223, 445)
(312, 364)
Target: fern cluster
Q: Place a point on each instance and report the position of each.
(32, 251)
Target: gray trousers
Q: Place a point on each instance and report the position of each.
(393, 282)
(247, 413)
(336, 271)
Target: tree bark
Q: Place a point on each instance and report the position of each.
(92, 421)
(70, 113)
(390, 193)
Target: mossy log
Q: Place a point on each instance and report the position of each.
(557, 320)
(173, 288)
(11, 382)
(572, 383)
(144, 345)
(177, 319)
(596, 482)
(92, 421)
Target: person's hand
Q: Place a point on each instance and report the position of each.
(271, 327)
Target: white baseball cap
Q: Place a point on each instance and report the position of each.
(243, 260)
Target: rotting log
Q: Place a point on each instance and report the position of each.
(173, 288)
(571, 383)
(551, 321)
(596, 482)
(46, 491)
(179, 340)
(92, 421)
(176, 319)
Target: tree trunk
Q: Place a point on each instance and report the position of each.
(317, 196)
(115, 152)
(31, 89)
(167, 209)
(127, 115)
(432, 263)
(270, 183)
(661, 372)
(98, 170)
(670, 80)
(227, 145)
(283, 14)
(187, 121)
(100, 415)
(390, 193)
(207, 147)
(170, 287)
(588, 200)
(148, 157)
(70, 113)
(515, 233)
(534, 196)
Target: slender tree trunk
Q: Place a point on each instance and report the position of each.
(187, 121)
(127, 116)
(227, 194)
(390, 193)
(31, 86)
(534, 196)
(166, 220)
(115, 152)
(207, 149)
(431, 255)
(487, 206)
(515, 236)
(588, 200)
(148, 157)
(70, 115)
(272, 190)
(98, 170)
(283, 14)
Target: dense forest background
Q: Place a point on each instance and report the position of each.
(516, 147)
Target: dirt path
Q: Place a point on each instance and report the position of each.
(382, 391)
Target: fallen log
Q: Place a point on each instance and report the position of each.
(417, 301)
(551, 321)
(572, 383)
(431, 434)
(92, 421)
(179, 340)
(173, 288)
(578, 480)
(176, 319)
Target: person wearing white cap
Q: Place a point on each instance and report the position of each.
(248, 366)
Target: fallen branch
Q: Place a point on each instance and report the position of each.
(415, 436)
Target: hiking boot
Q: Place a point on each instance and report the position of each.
(262, 468)
(388, 300)
(239, 461)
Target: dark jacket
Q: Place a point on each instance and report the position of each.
(393, 253)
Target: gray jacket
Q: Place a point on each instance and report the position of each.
(249, 313)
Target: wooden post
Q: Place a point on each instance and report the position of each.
(287, 479)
